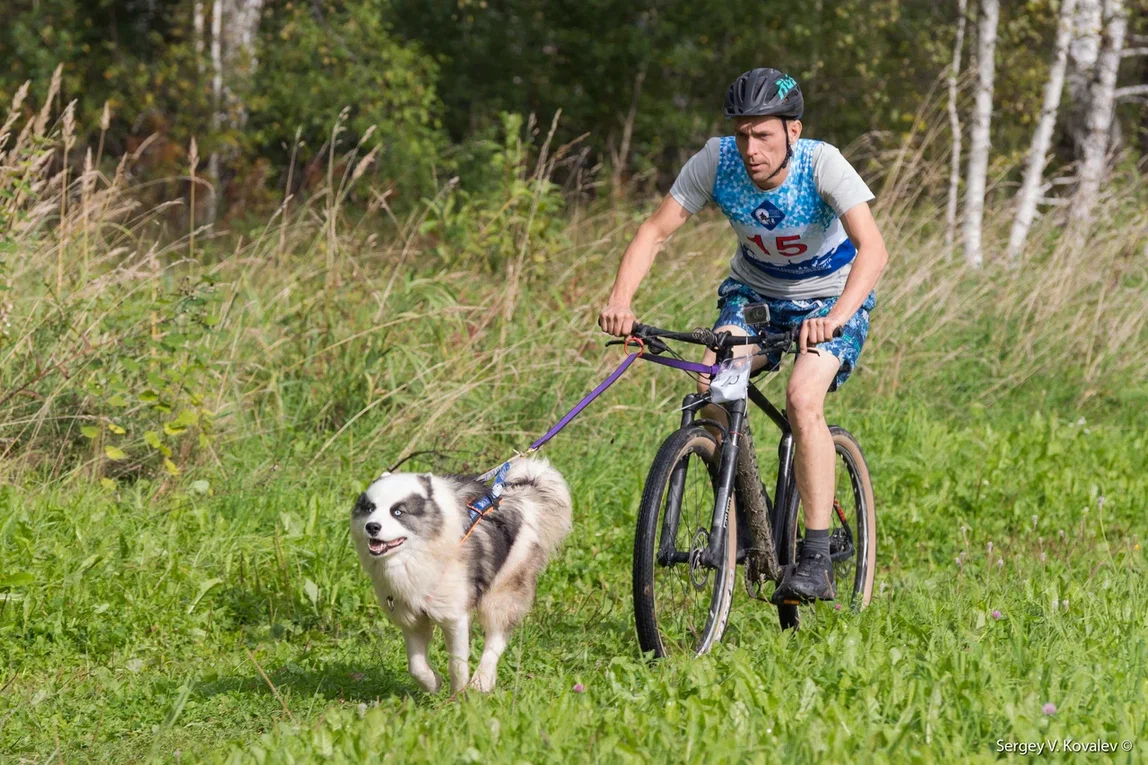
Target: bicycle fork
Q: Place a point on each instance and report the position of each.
(715, 550)
(667, 552)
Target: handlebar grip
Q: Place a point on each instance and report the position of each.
(638, 329)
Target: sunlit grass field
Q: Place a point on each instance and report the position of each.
(186, 419)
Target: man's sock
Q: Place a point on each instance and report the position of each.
(817, 540)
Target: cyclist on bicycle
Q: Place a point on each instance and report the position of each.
(808, 247)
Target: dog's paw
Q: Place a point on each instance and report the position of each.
(484, 681)
(430, 683)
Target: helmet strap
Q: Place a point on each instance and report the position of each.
(788, 150)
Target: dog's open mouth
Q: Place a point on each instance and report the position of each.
(382, 546)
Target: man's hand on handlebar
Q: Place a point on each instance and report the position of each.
(819, 330)
(617, 320)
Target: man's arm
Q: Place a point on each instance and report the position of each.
(867, 267)
(617, 318)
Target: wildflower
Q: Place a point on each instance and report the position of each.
(996, 615)
(1035, 518)
(837, 606)
(1043, 557)
(1064, 604)
(579, 688)
(1049, 708)
(990, 548)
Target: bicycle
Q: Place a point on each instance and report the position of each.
(725, 491)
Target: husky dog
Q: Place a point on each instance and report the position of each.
(408, 531)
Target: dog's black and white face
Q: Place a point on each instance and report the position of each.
(395, 515)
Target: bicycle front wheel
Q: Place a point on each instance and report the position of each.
(681, 603)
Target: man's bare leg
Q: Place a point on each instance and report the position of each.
(814, 460)
(814, 468)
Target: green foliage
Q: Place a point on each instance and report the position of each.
(320, 59)
(131, 626)
(518, 211)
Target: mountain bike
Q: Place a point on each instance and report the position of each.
(704, 510)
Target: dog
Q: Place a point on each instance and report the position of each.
(408, 530)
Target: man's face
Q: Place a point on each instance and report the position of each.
(761, 142)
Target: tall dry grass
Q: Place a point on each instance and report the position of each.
(129, 352)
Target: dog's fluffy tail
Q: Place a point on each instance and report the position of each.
(553, 512)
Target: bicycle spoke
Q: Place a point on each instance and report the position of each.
(682, 608)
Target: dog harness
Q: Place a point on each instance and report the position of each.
(489, 501)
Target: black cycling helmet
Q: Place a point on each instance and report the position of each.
(764, 92)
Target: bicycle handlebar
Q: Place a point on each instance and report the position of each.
(723, 340)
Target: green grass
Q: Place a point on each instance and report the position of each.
(184, 433)
(139, 633)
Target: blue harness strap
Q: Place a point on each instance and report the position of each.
(489, 501)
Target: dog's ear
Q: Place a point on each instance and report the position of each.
(363, 505)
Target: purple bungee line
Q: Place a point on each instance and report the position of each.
(688, 366)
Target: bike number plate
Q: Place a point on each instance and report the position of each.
(731, 383)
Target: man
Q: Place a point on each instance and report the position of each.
(807, 246)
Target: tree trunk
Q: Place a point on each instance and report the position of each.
(197, 23)
(621, 157)
(1082, 52)
(979, 133)
(216, 104)
(1102, 96)
(955, 124)
(239, 51)
(1042, 138)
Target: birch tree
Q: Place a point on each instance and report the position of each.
(1042, 138)
(1083, 51)
(233, 63)
(955, 124)
(1102, 97)
(216, 103)
(979, 132)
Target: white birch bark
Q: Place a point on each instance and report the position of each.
(197, 24)
(1102, 97)
(216, 102)
(1042, 138)
(955, 125)
(239, 50)
(979, 132)
(1082, 53)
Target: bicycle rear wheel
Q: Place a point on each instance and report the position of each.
(680, 604)
(852, 529)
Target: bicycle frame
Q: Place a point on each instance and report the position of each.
(737, 410)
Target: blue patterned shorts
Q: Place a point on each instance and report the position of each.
(733, 296)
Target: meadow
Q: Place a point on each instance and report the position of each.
(187, 419)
